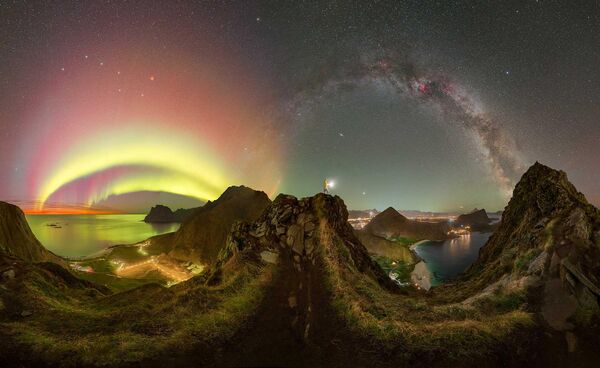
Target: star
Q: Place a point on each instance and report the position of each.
(152, 78)
(101, 63)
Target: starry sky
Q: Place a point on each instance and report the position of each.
(421, 105)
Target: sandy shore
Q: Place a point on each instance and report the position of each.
(413, 246)
(421, 276)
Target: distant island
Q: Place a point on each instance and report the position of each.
(163, 214)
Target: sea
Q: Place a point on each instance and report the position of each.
(445, 260)
(83, 235)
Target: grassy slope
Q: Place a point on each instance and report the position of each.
(78, 325)
(73, 329)
(417, 328)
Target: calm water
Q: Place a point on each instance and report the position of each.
(446, 260)
(82, 235)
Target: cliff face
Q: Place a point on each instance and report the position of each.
(203, 235)
(17, 239)
(390, 223)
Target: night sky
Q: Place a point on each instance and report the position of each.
(436, 106)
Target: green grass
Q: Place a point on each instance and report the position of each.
(524, 260)
(400, 240)
(71, 328)
(416, 325)
(401, 268)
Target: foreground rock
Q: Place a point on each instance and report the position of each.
(547, 247)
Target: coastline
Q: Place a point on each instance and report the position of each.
(420, 275)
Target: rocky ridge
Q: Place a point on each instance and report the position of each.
(548, 245)
(305, 238)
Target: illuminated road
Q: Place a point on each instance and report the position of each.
(170, 271)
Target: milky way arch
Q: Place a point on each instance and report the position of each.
(455, 105)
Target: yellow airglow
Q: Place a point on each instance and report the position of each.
(189, 167)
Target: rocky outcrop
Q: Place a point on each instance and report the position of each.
(305, 238)
(299, 228)
(163, 214)
(390, 224)
(17, 239)
(549, 238)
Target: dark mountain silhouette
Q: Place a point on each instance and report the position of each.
(391, 224)
(163, 214)
(474, 218)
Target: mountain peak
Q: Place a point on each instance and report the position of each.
(545, 188)
(548, 231)
(238, 190)
(391, 212)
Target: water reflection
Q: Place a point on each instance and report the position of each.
(82, 235)
(448, 259)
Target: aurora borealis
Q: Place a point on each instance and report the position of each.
(105, 104)
(110, 126)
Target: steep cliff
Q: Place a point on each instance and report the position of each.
(17, 239)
